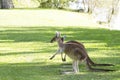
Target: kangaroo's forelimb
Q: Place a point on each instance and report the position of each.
(63, 57)
(59, 51)
(52, 57)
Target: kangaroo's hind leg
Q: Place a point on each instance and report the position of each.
(75, 66)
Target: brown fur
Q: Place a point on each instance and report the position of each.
(76, 51)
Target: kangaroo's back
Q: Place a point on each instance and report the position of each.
(74, 51)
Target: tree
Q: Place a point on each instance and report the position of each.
(0, 3)
(7, 4)
(115, 21)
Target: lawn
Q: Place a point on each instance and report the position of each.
(25, 52)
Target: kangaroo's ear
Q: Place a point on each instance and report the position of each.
(57, 34)
(64, 36)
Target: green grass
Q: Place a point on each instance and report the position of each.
(25, 53)
(44, 17)
(25, 46)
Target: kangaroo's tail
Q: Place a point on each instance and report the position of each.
(95, 64)
(96, 69)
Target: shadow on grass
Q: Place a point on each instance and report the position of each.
(44, 34)
(29, 71)
(39, 70)
(16, 53)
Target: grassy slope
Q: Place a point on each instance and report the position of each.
(25, 51)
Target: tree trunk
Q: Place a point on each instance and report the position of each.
(115, 21)
(0, 4)
(7, 4)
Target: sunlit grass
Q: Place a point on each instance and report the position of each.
(26, 3)
(25, 52)
(38, 17)
(25, 46)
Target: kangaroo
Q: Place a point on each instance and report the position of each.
(82, 46)
(76, 51)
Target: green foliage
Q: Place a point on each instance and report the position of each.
(37, 3)
(25, 53)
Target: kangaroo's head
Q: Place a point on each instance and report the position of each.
(57, 37)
